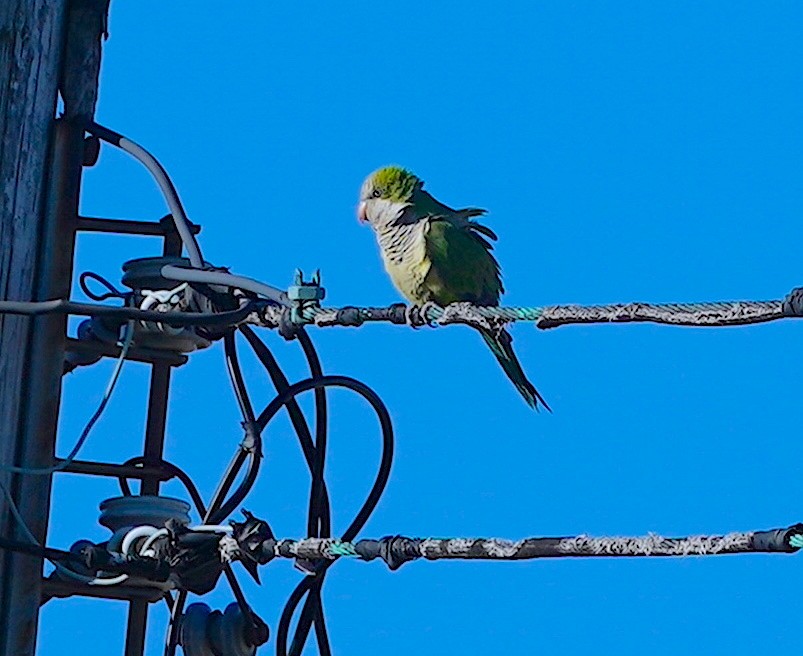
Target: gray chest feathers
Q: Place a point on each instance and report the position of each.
(404, 253)
(403, 244)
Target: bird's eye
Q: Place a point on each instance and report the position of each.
(375, 193)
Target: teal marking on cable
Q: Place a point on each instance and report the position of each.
(339, 548)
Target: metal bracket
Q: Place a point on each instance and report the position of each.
(304, 295)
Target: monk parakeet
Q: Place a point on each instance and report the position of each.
(434, 253)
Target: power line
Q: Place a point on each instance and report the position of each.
(397, 550)
(214, 304)
(711, 314)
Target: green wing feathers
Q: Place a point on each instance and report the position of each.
(462, 266)
(464, 269)
(437, 254)
(502, 347)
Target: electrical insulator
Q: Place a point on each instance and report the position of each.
(206, 632)
(121, 514)
(154, 293)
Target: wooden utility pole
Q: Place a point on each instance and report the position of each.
(46, 46)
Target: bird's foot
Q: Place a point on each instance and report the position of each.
(419, 315)
(430, 313)
(412, 317)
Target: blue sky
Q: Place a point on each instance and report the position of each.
(626, 151)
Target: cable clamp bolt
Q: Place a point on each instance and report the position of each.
(304, 295)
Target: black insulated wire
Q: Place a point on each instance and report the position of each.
(312, 615)
(173, 630)
(112, 291)
(280, 383)
(297, 418)
(164, 182)
(311, 585)
(46, 553)
(287, 615)
(175, 472)
(384, 421)
(318, 523)
(218, 508)
(61, 306)
(236, 376)
(238, 496)
(250, 449)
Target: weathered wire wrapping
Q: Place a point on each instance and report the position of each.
(396, 550)
(725, 313)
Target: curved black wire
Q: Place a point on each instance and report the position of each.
(236, 375)
(171, 642)
(321, 634)
(311, 585)
(218, 508)
(312, 615)
(319, 517)
(318, 520)
(287, 614)
(237, 497)
(47, 553)
(112, 292)
(281, 383)
(176, 472)
(384, 421)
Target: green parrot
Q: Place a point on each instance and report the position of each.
(436, 254)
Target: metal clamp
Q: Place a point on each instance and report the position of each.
(304, 295)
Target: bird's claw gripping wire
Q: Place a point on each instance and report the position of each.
(417, 316)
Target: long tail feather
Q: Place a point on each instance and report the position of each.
(502, 347)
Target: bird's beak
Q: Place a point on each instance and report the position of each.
(362, 212)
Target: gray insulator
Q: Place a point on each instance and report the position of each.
(234, 631)
(120, 514)
(184, 340)
(193, 631)
(204, 632)
(148, 336)
(146, 272)
(146, 509)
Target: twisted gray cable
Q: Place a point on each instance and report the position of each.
(726, 313)
(397, 550)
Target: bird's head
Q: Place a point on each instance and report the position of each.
(385, 193)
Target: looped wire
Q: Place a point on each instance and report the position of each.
(112, 292)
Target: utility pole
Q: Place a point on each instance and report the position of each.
(46, 46)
